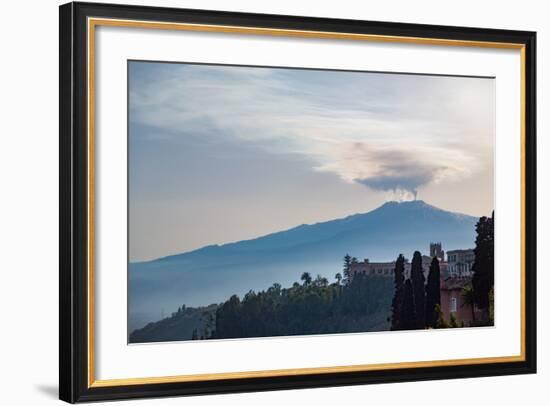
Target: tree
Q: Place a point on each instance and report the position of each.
(419, 291)
(440, 320)
(484, 277)
(452, 321)
(195, 335)
(209, 324)
(348, 262)
(433, 293)
(468, 300)
(320, 281)
(338, 278)
(319, 308)
(347, 267)
(306, 278)
(397, 302)
(408, 312)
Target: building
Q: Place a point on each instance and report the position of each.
(387, 268)
(456, 275)
(373, 268)
(454, 301)
(460, 263)
(437, 251)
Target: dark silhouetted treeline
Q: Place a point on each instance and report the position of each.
(416, 304)
(315, 306)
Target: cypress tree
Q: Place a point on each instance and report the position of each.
(397, 302)
(433, 293)
(483, 278)
(419, 291)
(408, 313)
(347, 268)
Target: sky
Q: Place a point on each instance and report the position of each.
(225, 153)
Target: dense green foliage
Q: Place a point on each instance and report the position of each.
(398, 297)
(181, 325)
(484, 275)
(468, 300)
(417, 305)
(440, 319)
(419, 291)
(361, 303)
(433, 293)
(313, 307)
(348, 261)
(408, 310)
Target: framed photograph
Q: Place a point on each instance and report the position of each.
(256, 202)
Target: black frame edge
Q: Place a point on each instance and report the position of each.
(531, 202)
(73, 368)
(67, 367)
(73, 293)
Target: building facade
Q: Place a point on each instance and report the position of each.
(387, 268)
(454, 300)
(460, 263)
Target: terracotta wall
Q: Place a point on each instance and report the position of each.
(463, 312)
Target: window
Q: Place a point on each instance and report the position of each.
(453, 305)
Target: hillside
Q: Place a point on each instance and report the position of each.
(179, 326)
(312, 307)
(213, 273)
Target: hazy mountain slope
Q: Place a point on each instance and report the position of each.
(179, 326)
(213, 273)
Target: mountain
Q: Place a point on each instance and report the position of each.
(213, 273)
(179, 326)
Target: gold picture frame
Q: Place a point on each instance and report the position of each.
(77, 357)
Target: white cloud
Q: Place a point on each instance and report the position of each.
(392, 133)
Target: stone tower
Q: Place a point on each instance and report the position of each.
(436, 251)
